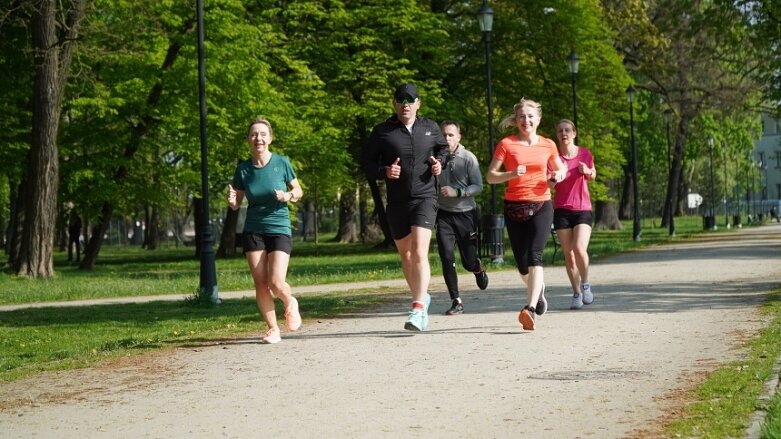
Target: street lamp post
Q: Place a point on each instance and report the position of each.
(208, 286)
(668, 113)
(726, 210)
(494, 224)
(574, 63)
(711, 224)
(630, 94)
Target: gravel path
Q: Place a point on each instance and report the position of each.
(661, 317)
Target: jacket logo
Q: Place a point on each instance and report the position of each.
(428, 133)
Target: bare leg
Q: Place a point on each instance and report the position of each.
(257, 261)
(580, 241)
(413, 250)
(567, 239)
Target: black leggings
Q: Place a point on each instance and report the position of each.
(457, 228)
(528, 238)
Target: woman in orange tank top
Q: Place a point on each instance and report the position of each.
(528, 212)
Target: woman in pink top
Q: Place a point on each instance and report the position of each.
(528, 211)
(572, 216)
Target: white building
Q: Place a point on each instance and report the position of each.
(767, 154)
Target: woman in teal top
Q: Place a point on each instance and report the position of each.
(268, 182)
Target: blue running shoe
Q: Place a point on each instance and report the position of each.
(426, 304)
(415, 320)
(418, 318)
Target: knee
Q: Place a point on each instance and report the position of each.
(474, 267)
(535, 258)
(448, 261)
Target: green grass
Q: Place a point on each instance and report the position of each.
(57, 338)
(724, 403)
(771, 429)
(131, 271)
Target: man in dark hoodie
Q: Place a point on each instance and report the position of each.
(406, 151)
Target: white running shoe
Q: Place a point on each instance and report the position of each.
(577, 301)
(588, 296)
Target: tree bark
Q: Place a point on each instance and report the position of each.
(348, 227)
(227, 248)
(52, 57)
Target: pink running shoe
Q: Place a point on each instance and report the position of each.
(292, 317)
(271, 336)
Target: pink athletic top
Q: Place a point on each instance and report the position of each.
(572, 192)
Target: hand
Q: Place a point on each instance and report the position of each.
(393, 171)
(448, 191)
(436, 166)
(282, 196)
(231, 197)
(520, 170)
(584, 169)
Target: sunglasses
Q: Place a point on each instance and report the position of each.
(405, 101)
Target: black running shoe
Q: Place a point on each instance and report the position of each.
(481, 278)
(542, 304)
(457, 308)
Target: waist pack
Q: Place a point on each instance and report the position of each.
(521, 211)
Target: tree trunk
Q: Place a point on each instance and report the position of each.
(152, 231)
(96, 239)
(138, 131)
(606, 216)
(625, 207)
(17, 219)
(675, 183)
(348, 227)
(227, 248)
(52, 55)
(380, 215)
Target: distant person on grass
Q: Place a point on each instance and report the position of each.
(528, 211)
(268, 182)
(572, 217)
(457, 217)
(406, 151)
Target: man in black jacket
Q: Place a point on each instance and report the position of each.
(407, 151)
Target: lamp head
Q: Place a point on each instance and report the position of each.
(630, 94)
(668, 115)
(574, 62)
(485, 16)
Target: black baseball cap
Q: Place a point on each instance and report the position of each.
(405, 90)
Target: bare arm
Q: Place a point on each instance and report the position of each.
(495, 176)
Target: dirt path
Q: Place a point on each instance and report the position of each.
(661, 317)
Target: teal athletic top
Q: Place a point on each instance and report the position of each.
(265, 214)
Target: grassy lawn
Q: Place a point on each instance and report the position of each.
(132, 271)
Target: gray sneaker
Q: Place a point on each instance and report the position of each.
(577, 301)
(588, 296)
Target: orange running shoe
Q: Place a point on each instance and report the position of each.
(526, 318)
(292, 317)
